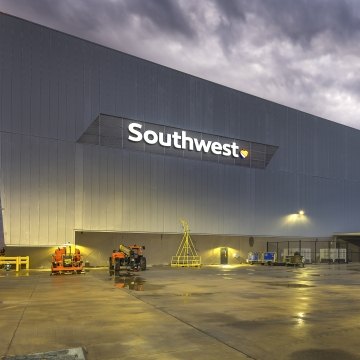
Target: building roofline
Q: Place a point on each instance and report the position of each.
(172, 69)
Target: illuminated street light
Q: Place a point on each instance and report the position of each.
(301, 212)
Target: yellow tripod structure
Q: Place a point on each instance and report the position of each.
(186, 256)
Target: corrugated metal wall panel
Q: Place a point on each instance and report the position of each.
(94, 83)
(5, 174)
(11, 166)
(35, 190)
(213, 209)
(126, 86)
(25, 201)
(54, 200)
(88, 68)
(126, 196)
(159, 217)
(103, 171)
(94, 191)
(44, 168)
(6, 79)
(201, 179)
(137, 224)
(2, 237)
(179, 190)
(121, 197)
(229, 216)
(352, 149)
(147, 92)
(110, 191)
(221, 205)
(67, 152)
(87, 184)
(16, 91)
(275, 198)
(131, 187)
(147, 194)
(169, 195)
(107, 84)
(190, 194)
(14, 187)
(330, 194)
(194, 119)
(351, 200)
(306, 145)
(290, 146)
(78, 186)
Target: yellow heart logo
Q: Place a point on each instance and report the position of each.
(244, 153)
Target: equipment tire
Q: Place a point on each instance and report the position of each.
(143, 263)
(117, 265)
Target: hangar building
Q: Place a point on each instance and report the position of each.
(98, 148)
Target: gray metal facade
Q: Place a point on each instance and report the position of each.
(53, 86)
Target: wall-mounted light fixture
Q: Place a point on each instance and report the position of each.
(297, 218)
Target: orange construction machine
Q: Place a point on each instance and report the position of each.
(129, 257)
(66, 261)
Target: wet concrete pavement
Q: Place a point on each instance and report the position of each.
(245, 312)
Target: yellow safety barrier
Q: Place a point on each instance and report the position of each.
(185, 261)
(17, 260)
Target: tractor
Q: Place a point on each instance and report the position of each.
(129, 257)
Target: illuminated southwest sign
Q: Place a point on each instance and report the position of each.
(164, 140)
(180, 140)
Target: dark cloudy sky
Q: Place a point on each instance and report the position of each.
(300, 53)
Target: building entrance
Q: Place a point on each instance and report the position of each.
(224, 256)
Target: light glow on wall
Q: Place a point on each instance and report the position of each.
(295, 219)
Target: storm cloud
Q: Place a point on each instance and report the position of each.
(303, 53)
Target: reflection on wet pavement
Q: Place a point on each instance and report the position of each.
(323, 354)
(130, 282)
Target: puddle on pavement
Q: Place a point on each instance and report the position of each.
(256, 324)
(68, 354)
(129, 282)
(132, 282)
(290, 285)
(188, 294)
(4, 273)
